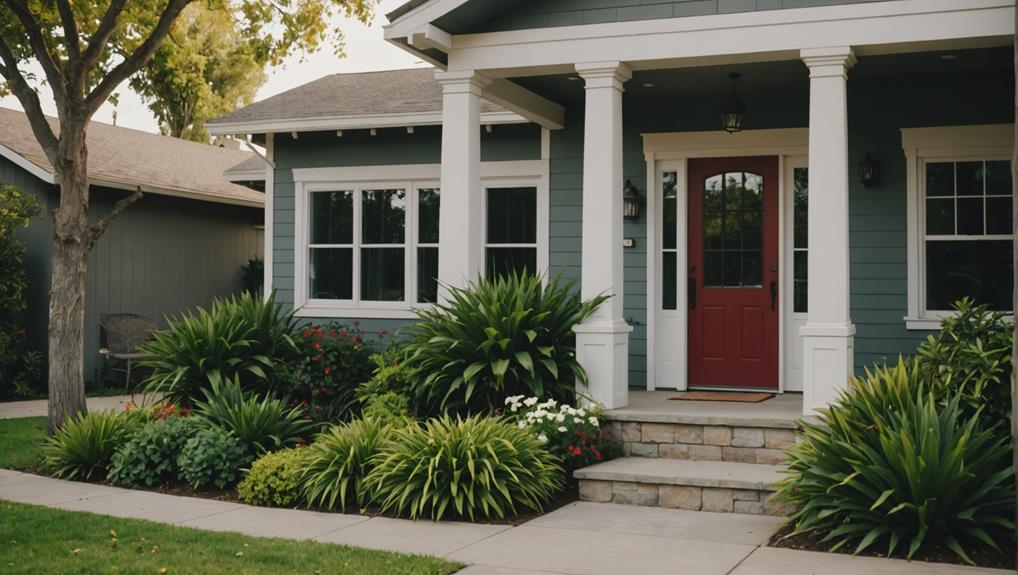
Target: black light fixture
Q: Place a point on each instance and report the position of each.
(630, 201)
(733, 112)
(869, 171)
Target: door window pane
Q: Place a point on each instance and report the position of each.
(981, 270)
(732, 256)
(512, 215)
(800, 243)
(331, 273)
(383, 218)
(669, 281)
(800, 282)
(382, 274)
(669, 205)
(332, 217)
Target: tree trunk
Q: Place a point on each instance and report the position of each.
(67, 283)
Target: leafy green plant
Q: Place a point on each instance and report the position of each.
(498, 337)
(389, 407)
(84, 446)
(338, 461)
(475, 466)
(20, 366)
(274, 479)
(149, 457)
(261, 425)
(242, 336)
(888, 464)
(573, 434)
(971, 357)
(392, 374)
(213, 456)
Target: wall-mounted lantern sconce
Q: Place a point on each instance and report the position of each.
(869, 171)
(734, 111)
(630, 202)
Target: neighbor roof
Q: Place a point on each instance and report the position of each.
(348, 101)
(124, 158)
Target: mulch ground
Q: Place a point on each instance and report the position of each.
(982, 555)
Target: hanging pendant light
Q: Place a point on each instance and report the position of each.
(733, 112)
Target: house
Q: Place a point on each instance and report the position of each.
(182, 244)
(777, 192)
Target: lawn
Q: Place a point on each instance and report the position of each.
(19, 441)
(41, 540)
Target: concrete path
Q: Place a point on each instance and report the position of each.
(579, 539)
(37, 407)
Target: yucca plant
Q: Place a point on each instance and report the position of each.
(336, 464)
(889, 465)
(504, 336)
(243, 336)
(262, 425)
(84, 446)
(480, 465)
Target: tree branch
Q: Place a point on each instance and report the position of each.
(102, 34)
(29, 101)
(95, 231)
(54, 72)
(71, 34)
(137, 59)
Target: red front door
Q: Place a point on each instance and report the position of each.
(733, 273)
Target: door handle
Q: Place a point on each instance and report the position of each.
(692, 293)
(774, 294)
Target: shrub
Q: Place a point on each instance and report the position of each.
(149, 457)
(274, 479)
(213, 456)
(971, 356)
(261, 425)
(242, 336)
(338, 461)
(475, 466)
(392, 374)
(84, 446)
(20, 366)
(889, 465)
(573, 434)
(330, 363)
(389, 407)
(142, 414)
(499, 337)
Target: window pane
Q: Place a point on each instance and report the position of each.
(713, 269)
(512, 216)
(711, 231)
(940, 179)
(981, 270)
(801, 208)
(382, 274)
(970, 216)
(998, 216)
(331, 273)
(733, 268)
(384, 216)
(669, 281)
(752, 192)
(752, 230)
(713, 194)
(332, 217)
(998, 178)
(800, 287)
(670, 206)
(752, 268)
(427, 204)
(506, 261)
(733, 191)
(732, 237)
(970, 178)
(427, 275)
(940, 217)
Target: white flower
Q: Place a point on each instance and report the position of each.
(551, 403)
(562, 429)
(529, 401)
(592, 420)
(577, 420)
(581, 412)
(542, 438)
(560, 417)
(540, 413)
(514, 407)
(522, 424)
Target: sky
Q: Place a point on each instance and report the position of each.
(365, 50)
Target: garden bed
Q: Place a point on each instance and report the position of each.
(983, 556)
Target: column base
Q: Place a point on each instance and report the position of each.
(602, 348)
(828, 361)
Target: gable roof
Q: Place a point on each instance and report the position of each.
(126, 159)
(407, 97)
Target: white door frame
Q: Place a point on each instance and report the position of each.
(672, 151)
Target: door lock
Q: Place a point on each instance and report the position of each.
(774, 294)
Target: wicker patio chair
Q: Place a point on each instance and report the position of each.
(119, 337)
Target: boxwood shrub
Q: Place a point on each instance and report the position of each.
(149, 457)
(274, 479)
(213, 457)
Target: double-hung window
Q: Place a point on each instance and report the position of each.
(511, 245)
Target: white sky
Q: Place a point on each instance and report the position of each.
(365, 51)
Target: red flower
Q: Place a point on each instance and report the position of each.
(316, 346)
(318, 357)
(304, 333)
(577, 451)
(327, 371)
(332, 333)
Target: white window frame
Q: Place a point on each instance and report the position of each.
(987, 142)
(488, 184)
(523, 173)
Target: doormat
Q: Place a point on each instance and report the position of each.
(738, 396)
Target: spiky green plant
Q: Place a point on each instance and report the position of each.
(84, 446)
(336, 464)
(243, 336)
(262, 425)
(890, 465)
(480, 465)
(511, 335)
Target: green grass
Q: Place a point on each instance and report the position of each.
(19, 441)
(41, 540)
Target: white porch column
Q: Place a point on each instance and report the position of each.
(829, 333)
(460, 235)
(602, 342)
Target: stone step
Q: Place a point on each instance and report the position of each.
(704, 442)
(719, 486)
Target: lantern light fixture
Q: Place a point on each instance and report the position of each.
(734, 111)
(630, 201)
(869, 171)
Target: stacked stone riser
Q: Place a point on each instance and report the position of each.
(704, 442)
(715, 499)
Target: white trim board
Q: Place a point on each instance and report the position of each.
(330, 123)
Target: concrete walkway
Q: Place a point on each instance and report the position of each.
(37, 407)
(580, 539)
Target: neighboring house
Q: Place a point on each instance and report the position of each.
(182, 244)
(759, 259)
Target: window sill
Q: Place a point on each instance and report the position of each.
(339, 310)
(922, 324)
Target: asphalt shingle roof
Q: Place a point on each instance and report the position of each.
(132, 158)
